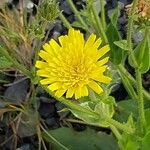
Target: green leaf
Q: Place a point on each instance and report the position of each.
(103, 108)
(146, 141)
(122, 44)
(116, 53)
(88, 118)
(129, 142)
(125, 109)
(85, 140)
(4, 63)
(146, 138)
(147, 117)
(77, 24)
(114, 14)
(142, 55)
(145, 63)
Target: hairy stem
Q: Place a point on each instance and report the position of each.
(129, 31)
(140, 101)
(123, 70)
(116, 132)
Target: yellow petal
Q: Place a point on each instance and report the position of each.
(97, 43)
(98, 71)
(103, 61)
(41, 64)
(94, 86)
(48, 48)
(103, 79)
(78, 93)
(47, 81)
(84, 91)
(70, 92)
(90, 40)
(44, 55)
(63, 40)
(55, 86)
(54, 45)
(102, 51)
(59, 93)
(71, 33)
(43, 73)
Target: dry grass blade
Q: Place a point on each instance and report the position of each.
(14, 36)
(4, 110)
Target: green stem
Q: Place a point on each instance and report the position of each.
(93, 23)
(65, 21)
(116, 132)
(130, 23)
(128, 86)
(140, 101)
(129, 31)
(77, 14)
(103, 13)
(123, 70)
(99, 25)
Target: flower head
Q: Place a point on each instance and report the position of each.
(142, 9)
(142, 13)
(73, 66)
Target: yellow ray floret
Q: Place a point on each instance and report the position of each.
(73, 66)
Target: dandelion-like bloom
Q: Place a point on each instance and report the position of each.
(74, 65)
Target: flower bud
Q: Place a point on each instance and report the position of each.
(48, 10)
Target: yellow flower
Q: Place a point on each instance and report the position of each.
(74, 65)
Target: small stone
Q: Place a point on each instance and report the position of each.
(50, 121)
(24, 147)
(137, 37)
(124, 2)
(47, 99)
(46, 110)
(30, 5)
(58, 27)
(122, 20)
(65, 7)
(17, 92)
(55, 35)
(59, 106)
